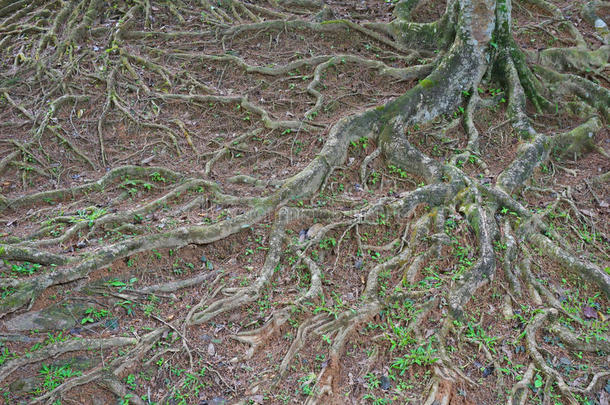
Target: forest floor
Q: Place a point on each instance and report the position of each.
(385, 359)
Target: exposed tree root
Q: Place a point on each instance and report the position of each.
(428, 252)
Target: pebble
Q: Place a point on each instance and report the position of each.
(385, 383)
(600, 24)
(314, 230)
(214, 401)
(211, 349)
(488, 370)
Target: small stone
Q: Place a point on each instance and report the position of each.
(488, 370)
(600, 24)
(214, 401)
(565, 361)
(211, 349)
(385, 383)
(358, 264)
(314, 230)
